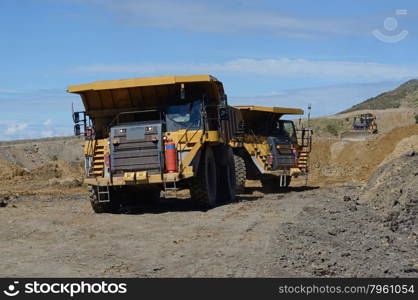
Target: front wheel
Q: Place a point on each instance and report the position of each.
(226, 174)
(203, 187)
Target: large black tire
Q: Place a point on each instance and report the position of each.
(226, 177)
(240, 173)
(101, 207)
(203, 187)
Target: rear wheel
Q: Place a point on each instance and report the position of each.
(240, 173)
(203, 187)
(102, 207)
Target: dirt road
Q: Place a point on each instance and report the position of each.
(313, 232)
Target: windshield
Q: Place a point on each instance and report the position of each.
(183, 116)
(287, 129)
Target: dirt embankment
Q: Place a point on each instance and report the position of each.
(334, 161)
(393, 190)
(37, 165)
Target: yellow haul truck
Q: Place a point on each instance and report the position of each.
(167, 133)
(164, 133)
(268, 148)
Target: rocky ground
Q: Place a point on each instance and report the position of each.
(340, 225)
(298, 232)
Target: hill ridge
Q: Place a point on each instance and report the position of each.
(405, 95)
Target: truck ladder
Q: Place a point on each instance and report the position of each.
(103, 193)
(170, 188)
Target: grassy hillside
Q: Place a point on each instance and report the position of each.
(330, 127)
(405, 95)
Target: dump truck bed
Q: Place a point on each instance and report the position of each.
(104, 100)
(266, 109)
(123, 94)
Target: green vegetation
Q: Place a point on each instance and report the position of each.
(391, 99)
(330, 127)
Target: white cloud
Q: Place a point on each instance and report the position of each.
(325, 100)
(282, 67)
(15, 128)
(47, 133)
(47, 123)
(233, 17)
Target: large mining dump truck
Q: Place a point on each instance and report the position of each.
(269, 148)
(158, 136)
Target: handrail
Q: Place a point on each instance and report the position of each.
(203, 116)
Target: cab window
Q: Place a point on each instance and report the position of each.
(183, 116)
(287, 128)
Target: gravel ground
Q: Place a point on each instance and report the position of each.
(300, 232)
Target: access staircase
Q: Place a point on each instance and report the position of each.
(98, 158)
(305, 147)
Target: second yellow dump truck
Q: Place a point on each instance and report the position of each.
(269, 148)
(170, 133)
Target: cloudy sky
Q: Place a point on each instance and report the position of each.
(332, 54)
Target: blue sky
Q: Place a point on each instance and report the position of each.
(282, 53)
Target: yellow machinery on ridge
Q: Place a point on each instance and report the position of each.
(363, 126)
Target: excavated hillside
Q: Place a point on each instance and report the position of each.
(335, 161)
(37, 166)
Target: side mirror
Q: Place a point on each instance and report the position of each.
(223, 108)
(182, 92)
(76, 117)
(224, 100)
(77, 130)
(223, 114)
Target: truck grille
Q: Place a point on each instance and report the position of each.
(134, 150)
(285, 157)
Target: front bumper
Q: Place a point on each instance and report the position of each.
(285, 172)
(139, 178)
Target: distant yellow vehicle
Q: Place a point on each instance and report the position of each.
(363, 126)
(164, 134)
